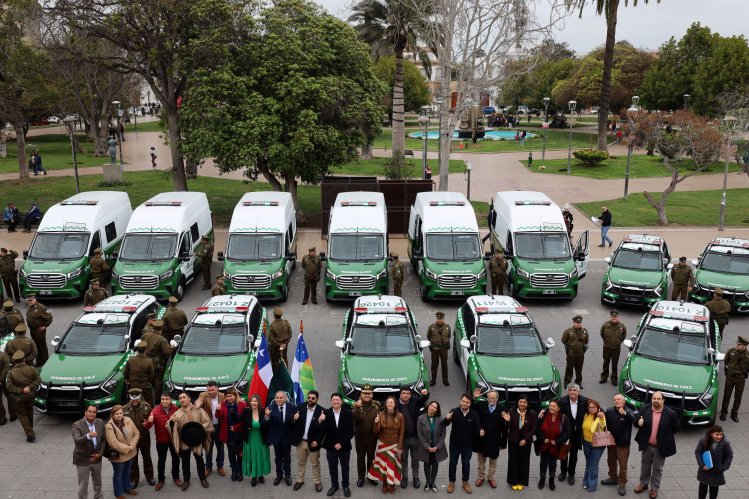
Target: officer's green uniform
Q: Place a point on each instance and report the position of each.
(312, 266)
(206, 258)
(498, 273)
(575, 342)
(99, 268)
(279, 333)
(20, 377)
(613, 335)
(218, 288)
(683, 279)
(736, 368)
(139, 371)
(9, 275)
(719, 309)
(4, 368)
(439, 336)
(38, 317)
(14, 316)
(139, 414)
(94, 295)
(397, 274)
(364, 436)
(159, 351)
(174, 319)
(23, 343)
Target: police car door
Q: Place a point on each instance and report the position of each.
(186, 259)
(582, 251)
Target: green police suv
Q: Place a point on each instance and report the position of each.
(88, 360)
(638, 271)
(724, 264)
(381, 347)
(676, 351)
(499, 348)
(220, 344)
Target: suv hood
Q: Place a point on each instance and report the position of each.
(143, 267)
(721, 280)
(196, 369)
(470, 267)
(380, 371)
(241, 267)
(672, 377)
(76, 369)
(516, 371)
(631, 277)
(66, 266)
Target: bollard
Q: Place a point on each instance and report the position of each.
(530, 159)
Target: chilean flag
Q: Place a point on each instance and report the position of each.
(263, 371)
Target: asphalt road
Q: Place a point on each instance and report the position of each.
(44, 468)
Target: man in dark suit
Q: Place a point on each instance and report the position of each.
(88, 435)
(573, 406)
(495, 435)
(279, 418)
(657, 426)
(619, 421)
(306, 441)
(336, 427)
(466, 430)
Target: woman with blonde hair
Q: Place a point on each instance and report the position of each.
(122, 437)
(389, 427)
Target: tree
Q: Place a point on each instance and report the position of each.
(415, 88)
(294, 95)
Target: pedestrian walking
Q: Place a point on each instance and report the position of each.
(619, 420)
(336, 427)
(365, 410)
(306, 441)
(736, 366)
(122, 438)
(605, 220)
(552, 434)
(430, 430)
(95, 294)
(494, 439)
(397, 274)
(159, 351)
(209, 401)
(719, 309)
(22, 343)
(389, 427)
(710, 472)
(498, 273)
(312, 266)
(279, 336)
(575, 340)
(138, 411)
(152, 153)
(658, 426)
(9, 274)
(38, 319)
(229, 430)
(22, 383)
(89, 438)
(593, 422)
(438, 335)
(255, 450)
(463, 438)
(205, 253)
(191, 430)
(174, 319)
(574, 408)
(521, 426)
(159, 419)
(410, 405)
(682, 277)
(279, 418)
(613, 334)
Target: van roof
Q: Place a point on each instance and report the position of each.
(79, 212)
(532, 211)
(445, 212)
(359, 212)
(166, 212)
(262, 212)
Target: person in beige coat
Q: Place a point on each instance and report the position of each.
(190, 413)
(122, 438)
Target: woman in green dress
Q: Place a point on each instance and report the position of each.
(255, 452)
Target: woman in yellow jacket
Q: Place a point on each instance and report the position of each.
(122, 437)
(594, 421)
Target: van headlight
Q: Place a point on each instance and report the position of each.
(109, 385)
(381, 274)
(707, 398)
(166, 275)
(481, 274)
(21, 273)
(330, 275)
(658, 290)
(226, 275)
(115, 276)
(430, 274)
(574, 273)
(628, 385)
(276, 275)
(522, 273)
(75, 273)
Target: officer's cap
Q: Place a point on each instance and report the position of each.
(30, 296)
(577, 318)
(134, 393)
(205, 238)
(614, 313)
(311, 249)
(497, 251)
(741, 340)
(173, 299)
(140, 345)
(682, 259)
(97, 251)
(719, 291)
(367, 388)
(18, 355)
(440, 315)
(8, 304)
(21, 328)
(94, 281)
(277, 311)
(158, 324)
(220, 278)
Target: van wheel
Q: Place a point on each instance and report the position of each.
(513, 290)
(284, 293)
(180, 293)
(423, 291)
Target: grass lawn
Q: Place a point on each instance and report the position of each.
(641, 166)
(146, 126)
(376, 167)
(55, 151)
(700, 208)
(482, 211)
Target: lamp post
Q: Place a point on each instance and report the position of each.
(69, 122)
(439, 134)
(730, 122)
(546, 120)
(424, 120)
(117, 104)
(469, 167)
(686, 100)
(572, 105)
(631, 114)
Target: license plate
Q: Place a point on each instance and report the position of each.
(631, 298)
(354, 293)
(45, 292)
(67, 404)
(456, 293)
(549, 292)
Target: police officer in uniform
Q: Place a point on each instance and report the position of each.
(498, 273)
(99, 268)
(312, 266)
(719, 309)
(38, 319)
(397, 274)
(174, 319)
(138, 410)
(737, 369)
(218, 288)
(95, 294)
(439, 336)
(22, 382)
(159, 351)
(365, 411)
(613, 333)
(23, 343)
(279, 335)
(13, 315)
(8, 273)
(139, 371)
(4, 368)
(575, 341)
(683, 278)
(206, 258)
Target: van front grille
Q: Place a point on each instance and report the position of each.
(457, 281)
(46, 281)
(549, 280)
(355, 281)
(138, 281)
(251, 281)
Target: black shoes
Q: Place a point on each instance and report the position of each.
(722, 417)
(277, 480)
(332, 491)
(734, 418)
(204, 483)
(404, 482)
(360, 483)
(288, 481)
(346, 491)
(432, 383)
(562, 476)
(571, 479)
(151, 482)
(608, 481)
(552, 485)
(253, 482)
(417, 483)
(541, 482)
(446, 383)
(602, 381)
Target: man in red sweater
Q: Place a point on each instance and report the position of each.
(159, 418)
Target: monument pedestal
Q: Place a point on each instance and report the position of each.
(113, 174)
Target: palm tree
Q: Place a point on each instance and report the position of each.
(609, 8)
(391, 27)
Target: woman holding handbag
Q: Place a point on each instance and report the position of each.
(553, 434)
(594, 443)
(721, 455)
(230, 424)
(122, 439)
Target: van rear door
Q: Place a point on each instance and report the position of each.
(582, 249)
(187, 260)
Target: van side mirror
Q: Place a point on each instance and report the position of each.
(473, 339)
(607, 259)
(720, 357)
(628, 344)
(25, 254)
(669, 266)
(339, 344)
(424, 344)
(250, 338)
(550, 342)
(418, 253)
(322, 256)
(220, 256)
(508, 254)
(258, 341)
(56, 341)
(695, 262)
(291, 255)
(465, 343)
(633, 338)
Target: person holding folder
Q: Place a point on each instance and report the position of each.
(714, 456)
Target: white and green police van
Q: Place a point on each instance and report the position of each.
(57, 263)
(638, 272)
(723, 264)
(542, 263)
(157, 256)
(357, 259)
(444, 246)
(261, 249)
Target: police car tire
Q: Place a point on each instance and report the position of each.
(456, 359)
(284, 293)
(180, 292)
(423, 293)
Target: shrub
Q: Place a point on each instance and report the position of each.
(591, 157)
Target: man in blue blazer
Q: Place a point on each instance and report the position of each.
(279, 418)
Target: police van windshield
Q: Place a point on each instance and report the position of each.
(453, 247)
(95, 339)
(674, 346)
(382, 341)
(59, 245)
(506, 340)
(639, 260)
(254, 247)
(357, 247)
(224, 339)
(724, 262)
(148, 247)
(542, 245)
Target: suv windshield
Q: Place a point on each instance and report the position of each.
(357, 247)
(254, 247)
(453, 247)
(148, 247)
(59, 245)
(382, 341)
(639, 260)
(668, 345)
(723, 262)
(504, 340)
(542, 246)
(95, 339)
(214, 340)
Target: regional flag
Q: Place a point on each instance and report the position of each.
(263, 374)
(302, 373)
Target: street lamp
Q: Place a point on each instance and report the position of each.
(469, 167)
(631, 114)
(439, 134)
(686, 100)
(424, 120)
(572, 105)
(730, 122)
(69, 122)
(546, 119)
(119, 134)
